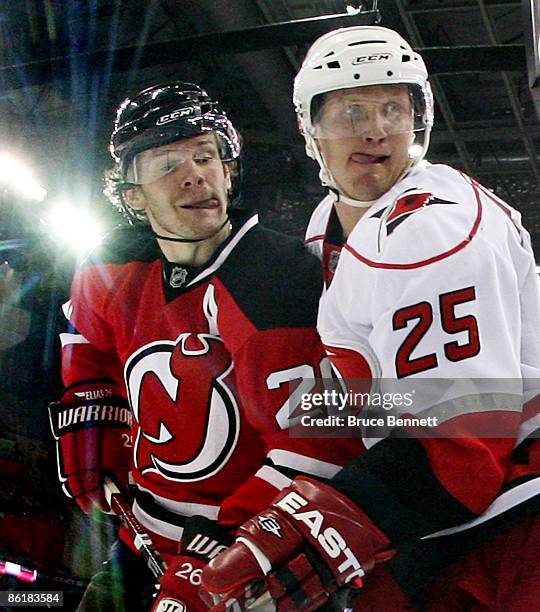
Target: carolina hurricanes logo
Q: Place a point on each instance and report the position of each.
(410, 202)
(193, 426)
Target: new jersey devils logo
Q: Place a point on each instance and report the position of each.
(192, 425)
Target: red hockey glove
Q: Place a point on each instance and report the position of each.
(179, 587)
(311, 541)
(91, 425)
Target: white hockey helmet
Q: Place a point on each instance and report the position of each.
(359, 56)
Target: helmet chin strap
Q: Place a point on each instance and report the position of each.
(191, 240)
(339, 197)
(328, 181)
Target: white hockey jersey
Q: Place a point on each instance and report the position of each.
(436, 284)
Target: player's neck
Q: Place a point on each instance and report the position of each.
(348, 216)
(193, 253)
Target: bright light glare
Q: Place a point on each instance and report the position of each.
(76, 228)
(19, 178)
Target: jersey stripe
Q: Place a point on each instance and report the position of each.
(301, 463)
(182, 508)
(66, 339)
(274, 477)
(249, 224)
(502, 503)
(162, 528)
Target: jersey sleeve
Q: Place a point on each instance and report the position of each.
(280, 352)
(88, 350)
(435, 304)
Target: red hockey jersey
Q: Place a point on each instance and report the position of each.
(208, 358)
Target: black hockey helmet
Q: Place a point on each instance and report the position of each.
(167, 112)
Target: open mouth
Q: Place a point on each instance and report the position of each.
(365, 158)
(202, 205)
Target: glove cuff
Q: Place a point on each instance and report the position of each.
(95, 404)
(316, 491)
(314, 514)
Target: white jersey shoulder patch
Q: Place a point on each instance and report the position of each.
(429, 215)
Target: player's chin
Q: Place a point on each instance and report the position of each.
(370, 175)
(206, 227)
(364, 193)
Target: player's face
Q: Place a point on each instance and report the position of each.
(190, 200)
(364, 137)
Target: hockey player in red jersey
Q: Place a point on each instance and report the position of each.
(435, 289)
(188, 330)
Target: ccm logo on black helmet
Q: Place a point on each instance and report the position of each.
(376, 57)
(172, 116)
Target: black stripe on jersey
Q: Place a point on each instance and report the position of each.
(287, 472)
(395, 485)
(521, 455)
(290, 472)
(148, 504)
(274, 280)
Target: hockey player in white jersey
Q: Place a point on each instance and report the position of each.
(335, 117)
(435, 286)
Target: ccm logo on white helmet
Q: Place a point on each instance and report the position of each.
(376, 57)
(332, 542)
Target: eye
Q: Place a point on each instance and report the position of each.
(356, 111)
(393, 109)
(204, 157)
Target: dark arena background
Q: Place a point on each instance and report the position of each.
(65, 65)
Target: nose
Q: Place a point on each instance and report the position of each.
(375, 128)
(189, 174)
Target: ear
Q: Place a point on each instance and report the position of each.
(135, 198)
